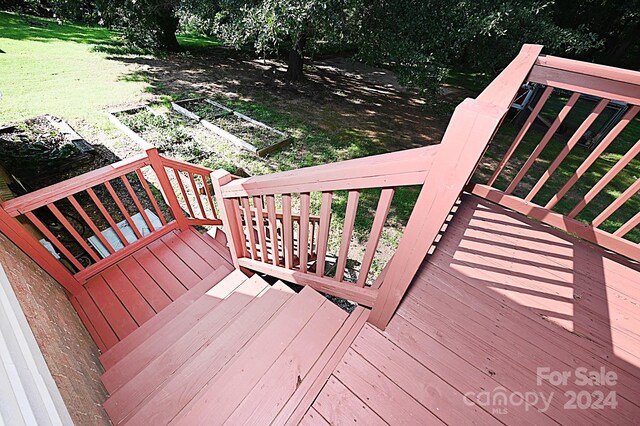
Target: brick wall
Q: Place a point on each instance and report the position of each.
(70, 353)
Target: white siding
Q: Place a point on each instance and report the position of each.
(28, 394)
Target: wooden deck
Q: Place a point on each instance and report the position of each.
(500, 297)
(121, 298)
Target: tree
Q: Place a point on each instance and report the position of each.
(615, 22)
(296, 26)
(145, 23)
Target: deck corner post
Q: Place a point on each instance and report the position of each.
(219, 178)
(158, 167)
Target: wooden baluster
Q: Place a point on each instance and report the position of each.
(595, 154)
(264, 255)
(230, 223)
(90, 222)
(167, 188)
(573, 141)
(248, 219)
(623, 198)
(197, 194)
(287, 231)
(184, 192)
(45, 231)
(608, 177)
(153, 200)
(521, 134)
(376, 231)
(137, 202)
(123, 209)
(303, 233)
(627, 227)
(347, 231)
(323, 233)
(543, 143)
(209, 197)
(273, 228)
(236, 211)
(107, 216)
(71, 230)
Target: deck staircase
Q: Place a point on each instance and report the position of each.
(242, 352)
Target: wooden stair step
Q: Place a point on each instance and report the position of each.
(298, 326)
(217, 239)
(131, 393)
(295, 408)
(171, 330)
(163, 403)
(142, 333)
(291, 369)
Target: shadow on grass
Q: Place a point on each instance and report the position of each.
(26, 27)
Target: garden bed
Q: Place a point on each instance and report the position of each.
(167, 132)
(39, 150)
(241, 130)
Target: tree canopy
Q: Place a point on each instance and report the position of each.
(419, 39)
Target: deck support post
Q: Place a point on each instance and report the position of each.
(165, 184)
(230, 224)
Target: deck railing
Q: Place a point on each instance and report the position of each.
(117, 205)
(442, 171)
(557, 188)
(293, 247)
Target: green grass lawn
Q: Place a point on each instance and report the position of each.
(65, 70)
(48, 68)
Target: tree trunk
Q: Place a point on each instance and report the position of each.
(168, 26)
(295, 70)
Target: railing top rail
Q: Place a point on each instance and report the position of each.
(504, 87)
(183, 165)
(58, 191)
(588, 68)
(397, 168)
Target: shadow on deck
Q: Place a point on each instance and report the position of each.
(502, 303)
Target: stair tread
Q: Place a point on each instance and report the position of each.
(287, 373)
(121, 349)
(298, 325)
(171, 329)
(163, 403)
(131, 393)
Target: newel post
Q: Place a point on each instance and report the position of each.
(170, 196)
(230, 224)
(466, 138)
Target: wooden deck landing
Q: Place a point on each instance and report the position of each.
(501, 296)
(126, 295)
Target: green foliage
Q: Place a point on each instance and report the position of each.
(422, 40)
(298, 26)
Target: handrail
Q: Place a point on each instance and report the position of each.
(442, 171)
(58, 191)
(384, 170)
(591, 79)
